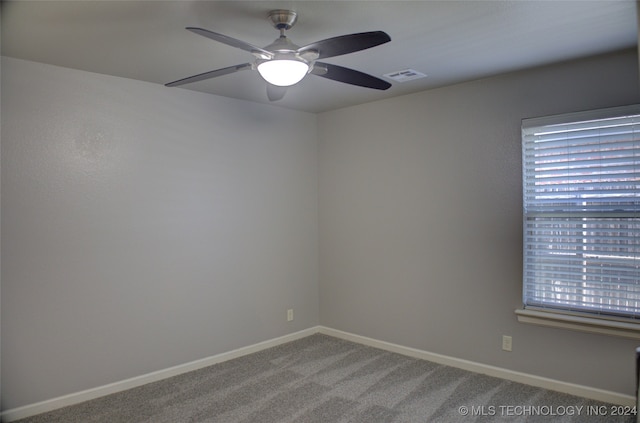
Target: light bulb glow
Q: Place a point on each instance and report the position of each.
(283, 72)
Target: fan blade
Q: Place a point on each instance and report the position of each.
(349, 76)
(275, 92)
(232, 42)
(344, 44)
(210, 74)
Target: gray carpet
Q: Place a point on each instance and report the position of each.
(324, 380)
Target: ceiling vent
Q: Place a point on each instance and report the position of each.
(405, 75)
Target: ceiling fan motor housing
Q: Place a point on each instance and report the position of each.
(283, 47)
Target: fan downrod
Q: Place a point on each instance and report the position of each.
(282, 19)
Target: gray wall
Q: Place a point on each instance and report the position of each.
(421, 221)
(145, 227)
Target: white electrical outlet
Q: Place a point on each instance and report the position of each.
(289, 315)
(507, 343)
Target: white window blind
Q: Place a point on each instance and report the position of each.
(581, 198)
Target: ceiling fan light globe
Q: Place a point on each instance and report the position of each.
(283, 72)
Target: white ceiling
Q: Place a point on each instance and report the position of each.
(450, 41)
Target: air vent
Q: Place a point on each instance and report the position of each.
(405, 75)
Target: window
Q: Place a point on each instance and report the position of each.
(581, 198)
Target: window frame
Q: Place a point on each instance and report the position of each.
(557, 316)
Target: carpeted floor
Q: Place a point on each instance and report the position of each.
(323, 379)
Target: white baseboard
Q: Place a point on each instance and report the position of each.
(525, 378)
(89, 394)
(528, 379)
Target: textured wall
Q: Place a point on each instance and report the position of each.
(421, 220)
(145, 227)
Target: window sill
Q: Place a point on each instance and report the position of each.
(580, 323)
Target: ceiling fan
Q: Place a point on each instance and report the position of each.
(283, 63)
